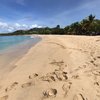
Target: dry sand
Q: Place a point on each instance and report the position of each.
(57, 68)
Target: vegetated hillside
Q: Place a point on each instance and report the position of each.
(88, 26)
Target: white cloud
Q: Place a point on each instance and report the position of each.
(5, 27)
(35, 25)
(17, 25)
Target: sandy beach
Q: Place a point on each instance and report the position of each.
(56, 68)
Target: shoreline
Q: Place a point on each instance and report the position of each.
(70, 65)
(13, 54)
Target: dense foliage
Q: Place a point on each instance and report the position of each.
(88, 26)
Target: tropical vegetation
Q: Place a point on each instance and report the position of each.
(88, 26)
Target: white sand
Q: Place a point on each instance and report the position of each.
(57, 68)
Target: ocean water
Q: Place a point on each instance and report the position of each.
(11, 41)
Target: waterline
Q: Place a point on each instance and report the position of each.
(11, 42)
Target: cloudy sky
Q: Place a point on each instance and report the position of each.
(25, 14)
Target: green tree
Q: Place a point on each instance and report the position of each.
(86, 24)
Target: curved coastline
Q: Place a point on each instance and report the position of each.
(9, 56)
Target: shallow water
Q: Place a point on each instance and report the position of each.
(14, 50)
(9, 41)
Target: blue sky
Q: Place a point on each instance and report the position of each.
(25, 14)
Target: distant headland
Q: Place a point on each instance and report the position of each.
(88, 26)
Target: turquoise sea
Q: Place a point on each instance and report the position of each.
(11, 41)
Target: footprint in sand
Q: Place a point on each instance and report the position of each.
(49, 93)
(93, 61)
(11, 86)
(75, 76)
(60, 64)
(34, 75)
(98, 57)
(61, 75)
(57, 63)
(96, 72)
(97, 40)
(79, 97)
(54, 76)
(66, 87)
(48, 78)
(4, 97)
(27, 84)
(96, 83)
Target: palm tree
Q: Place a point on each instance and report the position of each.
(91, 18)
(86, 23)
